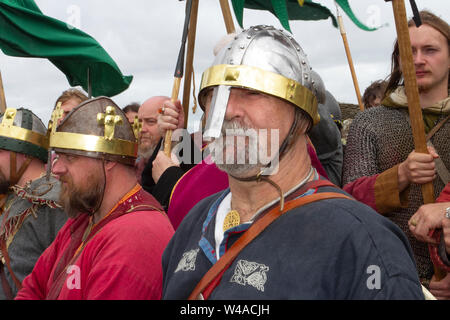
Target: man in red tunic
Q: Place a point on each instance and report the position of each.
(111, 246)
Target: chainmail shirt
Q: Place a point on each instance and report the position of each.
(379, 138)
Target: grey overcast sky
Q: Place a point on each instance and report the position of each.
(143, 37)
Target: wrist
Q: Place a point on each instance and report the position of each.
(403, 181)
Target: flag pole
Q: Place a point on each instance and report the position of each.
(2, 96)
(178, 74)
(349, 57)
(89, 82)
(226, 12)
(412, 93)
(190, 60)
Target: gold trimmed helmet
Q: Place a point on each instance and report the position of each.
(97, 128)
(264, 59)
(22, 131)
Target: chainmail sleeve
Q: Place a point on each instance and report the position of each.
(360, 156)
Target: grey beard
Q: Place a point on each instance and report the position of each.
(146, 153)
(234, 168)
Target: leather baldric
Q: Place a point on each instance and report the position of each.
(207, 284)
(4, 250)
(441, 169)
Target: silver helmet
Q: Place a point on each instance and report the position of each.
(264, 59)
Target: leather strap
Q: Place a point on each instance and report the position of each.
(4, 250)
(16, 175)
(5, 284)
(441, 169)
(257, 227)
(437, 127)
(5, 254)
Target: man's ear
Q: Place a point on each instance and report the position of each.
(109, 165)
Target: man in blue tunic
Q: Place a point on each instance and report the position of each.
(259, 239)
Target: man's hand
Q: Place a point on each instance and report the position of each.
(161, 163)
(172, 118)
(441, 289)
(418, 168)
(428, 217)
(446, 231)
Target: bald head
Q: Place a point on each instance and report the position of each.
(148, 114)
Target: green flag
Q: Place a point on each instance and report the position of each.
(286, 10)
(26, 32)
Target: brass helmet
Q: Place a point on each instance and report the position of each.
(97, 128)
(264, 59)
(22, 131)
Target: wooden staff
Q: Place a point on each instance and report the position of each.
(2, 96)
(178, 74)
(190, 60)
(349, 58)
(226, 12)
(89, 83)
(412, 93)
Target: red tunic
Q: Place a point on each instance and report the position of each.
(121, 258)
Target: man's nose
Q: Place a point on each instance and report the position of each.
(58, 167)
(234, 106)
(418, 57)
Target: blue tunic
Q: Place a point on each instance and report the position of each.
(331, 249)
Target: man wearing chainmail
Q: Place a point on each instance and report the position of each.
(30, 217)
(381, 167)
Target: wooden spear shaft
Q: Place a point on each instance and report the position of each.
(190, 60)
(350, 61)
(178, 74)
(412, 93)
(2, 96)
(226, 12)
(411, 88)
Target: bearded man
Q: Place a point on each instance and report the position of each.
(381, 167)
(30, 216)
(280, 231)
(111, 246)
